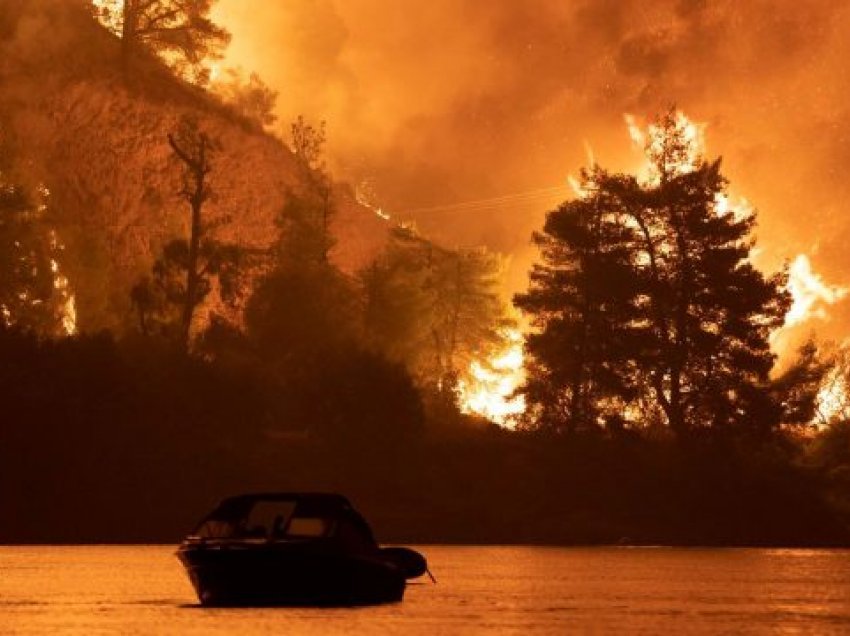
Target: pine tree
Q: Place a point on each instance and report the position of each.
(688, 316)
(180, 31)
(712, 311)
(584, 301)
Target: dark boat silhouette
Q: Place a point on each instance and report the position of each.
(293, 549)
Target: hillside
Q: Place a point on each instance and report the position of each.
(98, 141)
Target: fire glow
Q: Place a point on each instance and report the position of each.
(62, 286)
(811, 294)
(488, 387)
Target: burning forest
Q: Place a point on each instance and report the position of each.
(221, 255)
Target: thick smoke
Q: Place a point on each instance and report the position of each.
(453, 100)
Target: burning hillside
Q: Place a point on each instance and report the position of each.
(97, 137)
(100, 144)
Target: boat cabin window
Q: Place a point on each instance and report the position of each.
(216, 529)
(267, 519)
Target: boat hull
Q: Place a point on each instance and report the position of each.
(288, 575)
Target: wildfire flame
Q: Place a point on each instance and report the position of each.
(109, 13)
(487, 388)
(365, 195)
(811, 298)
(810, 293)
(832, 402)
(651, 141)
(68, 302)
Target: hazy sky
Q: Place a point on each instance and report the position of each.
(455, 100)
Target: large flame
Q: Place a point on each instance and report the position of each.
(651, 141)
(109, 13)
(810, 293)
(811, 299)
(832, 402)
(488, 387)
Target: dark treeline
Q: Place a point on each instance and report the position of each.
(122, 442)
(653, 414)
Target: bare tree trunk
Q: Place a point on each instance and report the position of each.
(198, 167)
(192, 277)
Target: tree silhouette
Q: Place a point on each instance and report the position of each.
(796, 388)
(712, 311)
(180, 31)
(584, 300)
(252, 98)
(685, 315)
(432, 308)
(317, 206)
(184, 274)
(300, 313)
(303, 308)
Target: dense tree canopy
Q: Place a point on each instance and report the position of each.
(585, 296)
(180, 31)
(647, 301)
(432, 308)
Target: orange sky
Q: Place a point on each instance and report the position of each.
(455, 100)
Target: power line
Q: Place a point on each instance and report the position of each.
(478, 205)
(471, 206)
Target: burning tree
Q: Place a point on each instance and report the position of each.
(647, 300)
(180, 31)
(434, 309)
(34, 294)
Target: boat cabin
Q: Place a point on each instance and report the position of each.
(287, 517)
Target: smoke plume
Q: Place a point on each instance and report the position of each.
(458, 100)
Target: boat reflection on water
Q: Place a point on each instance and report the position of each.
(293, 549)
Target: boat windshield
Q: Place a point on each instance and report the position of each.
(267, 520)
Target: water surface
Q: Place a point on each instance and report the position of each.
(501, 590)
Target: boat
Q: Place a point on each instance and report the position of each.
(293, 549)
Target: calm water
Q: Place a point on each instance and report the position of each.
(504, 590)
